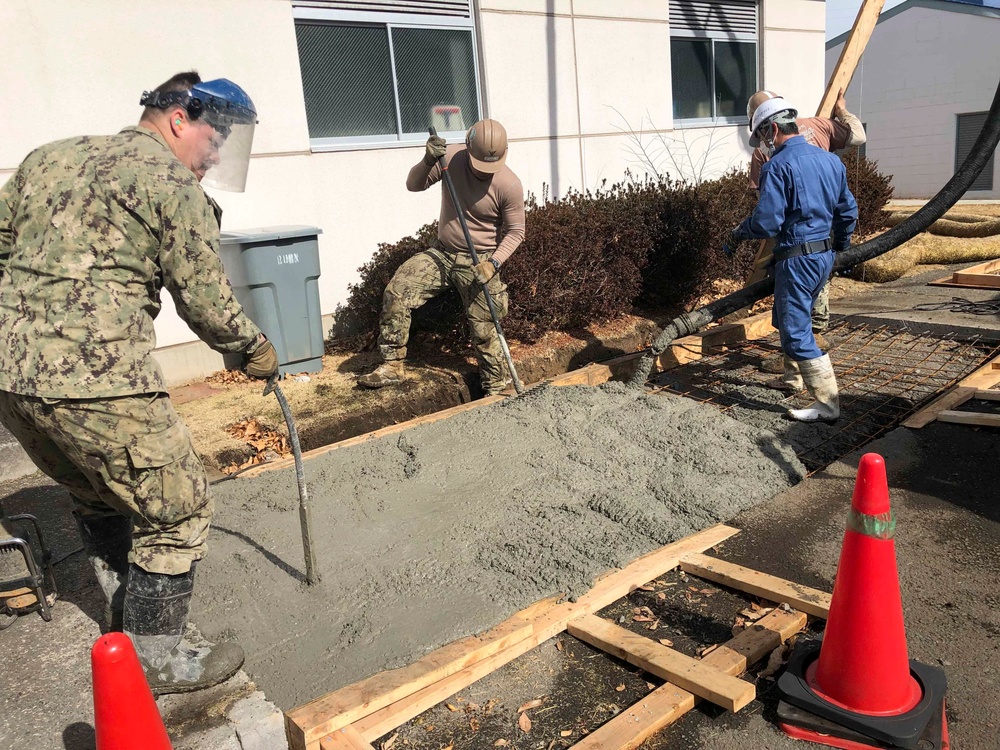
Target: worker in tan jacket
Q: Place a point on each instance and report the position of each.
(493, 201)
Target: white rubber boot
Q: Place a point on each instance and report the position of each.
(791, 381)
(821, 383)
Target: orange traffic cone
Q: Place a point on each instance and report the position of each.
(125, 713)
(862, 690)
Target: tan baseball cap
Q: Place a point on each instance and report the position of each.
(487, 145)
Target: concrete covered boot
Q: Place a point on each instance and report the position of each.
(156, 612)
(791, 381)
(821, 383)
(391, 372)
(107, 540)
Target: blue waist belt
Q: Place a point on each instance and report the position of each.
(806, 248)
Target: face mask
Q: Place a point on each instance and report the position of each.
(767, 144)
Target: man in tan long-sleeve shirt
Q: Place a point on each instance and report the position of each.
(493, 202)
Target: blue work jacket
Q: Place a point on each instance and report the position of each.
(803, 197)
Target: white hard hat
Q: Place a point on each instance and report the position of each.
(775, 109)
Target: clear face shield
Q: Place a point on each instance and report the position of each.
(231, 143)
(225, 107)
(230, 112)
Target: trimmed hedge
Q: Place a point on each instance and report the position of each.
(592, 256)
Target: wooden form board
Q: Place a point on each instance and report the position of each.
(682, 351)
(665, 705)
(809, 600)
(983, 276)
(382, 702)
(661, 707)
(688, 673)
(979, 382)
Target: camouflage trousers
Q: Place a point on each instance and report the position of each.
(821, 309)
(426, 275)
(129, 455)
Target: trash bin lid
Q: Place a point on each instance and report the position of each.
(267, 234)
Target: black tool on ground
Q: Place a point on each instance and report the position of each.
(305, 516)
(36, 590)
(518, 386)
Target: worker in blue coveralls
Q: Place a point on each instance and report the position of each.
(806, 206)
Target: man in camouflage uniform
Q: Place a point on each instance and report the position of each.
(493, 202)
(91, 229)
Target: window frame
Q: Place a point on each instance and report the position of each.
(713, 37)
(389, 21)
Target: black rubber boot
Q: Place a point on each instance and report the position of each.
(107, 540)
(156, 612)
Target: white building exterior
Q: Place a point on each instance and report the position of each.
(922, 88)
(342, 87)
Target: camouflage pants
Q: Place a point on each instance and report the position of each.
(426, 275)
(821, 309)
(129, 455)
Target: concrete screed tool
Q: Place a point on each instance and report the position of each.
(475, 261)
(305, 516)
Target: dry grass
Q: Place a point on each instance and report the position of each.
(933, 249)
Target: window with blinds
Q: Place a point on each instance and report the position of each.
(383, 71)
(713, 58)
(968, 129)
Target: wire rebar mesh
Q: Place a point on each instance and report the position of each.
(884, 376)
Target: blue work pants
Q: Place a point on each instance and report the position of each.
(797, 283)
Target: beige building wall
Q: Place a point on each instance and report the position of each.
(924, 65)
(576, 82)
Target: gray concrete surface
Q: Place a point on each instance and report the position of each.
(894, 302)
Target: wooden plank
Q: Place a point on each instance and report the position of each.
(305, 724)
(809, 600)
(987, 395)
(975, 418)
(983, 280)
(854, 47)
(663, 706)
(546, 624)
(692, 675)
(346, 738)
(984, 377)
(948, 400)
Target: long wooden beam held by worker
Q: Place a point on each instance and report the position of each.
(850, 55)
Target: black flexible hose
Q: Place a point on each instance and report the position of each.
(934, 209)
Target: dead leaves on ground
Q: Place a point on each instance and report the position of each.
(267, 443)
(227, 377)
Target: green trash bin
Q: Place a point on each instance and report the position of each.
(275, 275)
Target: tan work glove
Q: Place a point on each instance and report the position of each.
(263, 361)
(435, 150)
(484, 271)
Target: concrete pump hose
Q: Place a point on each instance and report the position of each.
(930, 212)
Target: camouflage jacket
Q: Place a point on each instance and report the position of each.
(91, 229)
